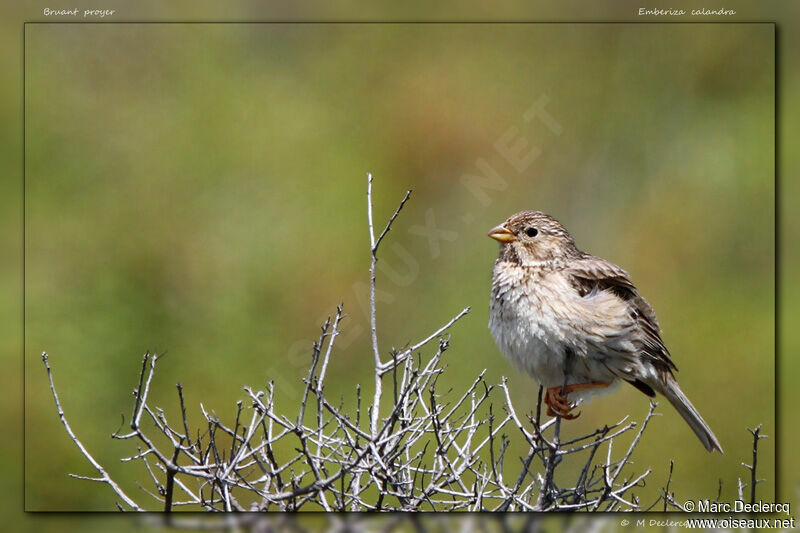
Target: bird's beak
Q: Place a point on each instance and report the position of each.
(502, 234)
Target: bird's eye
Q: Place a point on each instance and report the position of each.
(531, 232)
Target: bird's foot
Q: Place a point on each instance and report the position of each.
(559, 405)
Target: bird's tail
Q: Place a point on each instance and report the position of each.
(670, 389)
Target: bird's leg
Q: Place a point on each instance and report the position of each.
(557, 402)
(582, 386)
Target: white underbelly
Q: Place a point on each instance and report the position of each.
(537, 339)
(546, 362)
(531, 350)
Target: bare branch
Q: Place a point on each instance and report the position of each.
(752, 467)
(104, 477)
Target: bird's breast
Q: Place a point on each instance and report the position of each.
(536, 316)
(524, 320)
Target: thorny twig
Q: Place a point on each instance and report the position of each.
(757, 436)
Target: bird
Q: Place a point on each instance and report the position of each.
(576, 323)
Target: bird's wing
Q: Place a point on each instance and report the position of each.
(590, 274)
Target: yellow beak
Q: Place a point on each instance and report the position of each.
(502, 234)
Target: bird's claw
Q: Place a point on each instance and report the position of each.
(566, 415)
(559, 405)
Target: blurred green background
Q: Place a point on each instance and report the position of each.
(199, 189)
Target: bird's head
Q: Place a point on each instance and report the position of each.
(533, 237)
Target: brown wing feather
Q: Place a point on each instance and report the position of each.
(590, 274)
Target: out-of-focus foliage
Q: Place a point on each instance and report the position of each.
(199, 189)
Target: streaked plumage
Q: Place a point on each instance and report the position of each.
(565, 316)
